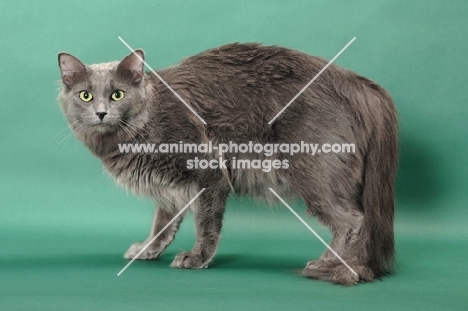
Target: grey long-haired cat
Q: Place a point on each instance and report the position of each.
(237, 89)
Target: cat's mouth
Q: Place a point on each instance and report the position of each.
(102, 127)
(103, 122)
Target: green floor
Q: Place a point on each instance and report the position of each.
(64, 224)
(72, 264)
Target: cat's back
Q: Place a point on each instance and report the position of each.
(252, 59)
(236, 54)
(241, 78)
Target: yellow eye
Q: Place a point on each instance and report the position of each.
(117, 95)
(86, 96)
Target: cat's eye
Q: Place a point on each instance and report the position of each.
(117, 95)
(86, 96)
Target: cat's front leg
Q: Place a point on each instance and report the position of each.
(161, 218)
(208, 217)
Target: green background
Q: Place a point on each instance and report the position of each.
(64, 225)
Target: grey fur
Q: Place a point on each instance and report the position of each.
(237, 89)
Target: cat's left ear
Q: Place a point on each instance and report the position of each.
(132, 66)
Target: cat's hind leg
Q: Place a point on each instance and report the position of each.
(330, 189)
(161, 218)
(346, 223)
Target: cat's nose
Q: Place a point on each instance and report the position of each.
(101, 114)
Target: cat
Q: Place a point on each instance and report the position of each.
(237, 89)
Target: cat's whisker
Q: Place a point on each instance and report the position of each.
(128, 133)
(137, 126)
(135, 129)
(67, 139)
(129, 127)
(57, 136)
(64, 139)
(61, 145)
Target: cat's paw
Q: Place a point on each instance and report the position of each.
(187, 260)
(149, 253)
(336, 272)
(313, 264)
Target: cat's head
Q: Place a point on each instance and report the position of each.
(102, 98)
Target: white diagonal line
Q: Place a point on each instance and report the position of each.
(313, 231)
(311, 81)
(162, 230)
(162, 80)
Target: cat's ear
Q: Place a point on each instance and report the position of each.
(131, 67)
(71, 68)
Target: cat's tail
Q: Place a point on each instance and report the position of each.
(379, 180)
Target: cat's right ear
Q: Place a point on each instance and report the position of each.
(71, 68)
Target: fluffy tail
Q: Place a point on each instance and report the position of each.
(379, 181)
